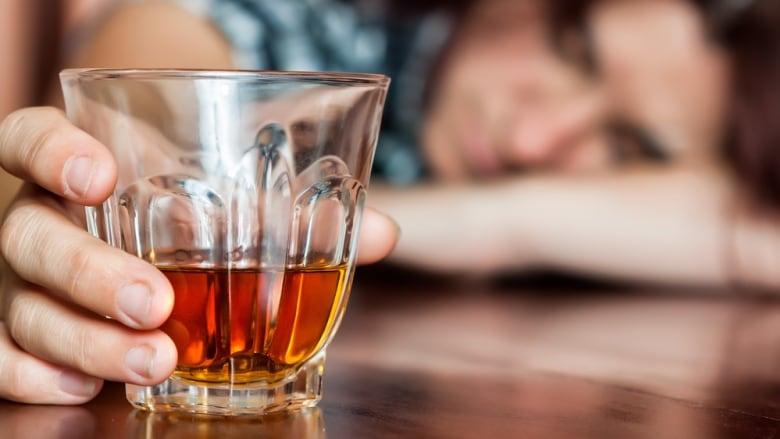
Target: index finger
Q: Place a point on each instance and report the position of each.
(40, 145)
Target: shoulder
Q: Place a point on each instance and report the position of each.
(154, 33)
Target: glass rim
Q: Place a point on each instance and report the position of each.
(237, 74)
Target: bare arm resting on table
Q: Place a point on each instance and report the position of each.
(659, 225)
(58, 282)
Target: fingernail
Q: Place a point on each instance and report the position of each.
(140, 360)
(135, 301)
(78, 174)
(78, 384)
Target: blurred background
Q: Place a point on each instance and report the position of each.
(632, 141)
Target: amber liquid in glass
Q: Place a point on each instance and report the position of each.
(247, 325)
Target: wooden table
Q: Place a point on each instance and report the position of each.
(421, 357)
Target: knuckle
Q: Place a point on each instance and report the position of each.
(14, 384)
(25, 139)
(10, 128)
(18, 382)
(83, 353)
(13, 134)
(14, 231)
(81, 259)
(35, 154)
(34, 330)
(21, 319)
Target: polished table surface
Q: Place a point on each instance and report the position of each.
(423, 357)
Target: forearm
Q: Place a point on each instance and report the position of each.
(451, 227)
(658, 226)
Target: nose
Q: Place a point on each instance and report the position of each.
(548, 134)
(532, 143)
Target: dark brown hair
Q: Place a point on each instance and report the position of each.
(751, 33)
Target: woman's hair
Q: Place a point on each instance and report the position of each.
(750, 31)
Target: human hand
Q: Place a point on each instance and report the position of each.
(59, 283)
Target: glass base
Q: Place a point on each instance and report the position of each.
(304, 389)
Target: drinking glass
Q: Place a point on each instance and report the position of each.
(246, 190)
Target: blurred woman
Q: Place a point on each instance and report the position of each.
(646, 152)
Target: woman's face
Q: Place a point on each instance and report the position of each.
(506, 101)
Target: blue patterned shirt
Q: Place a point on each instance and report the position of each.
(334, 35)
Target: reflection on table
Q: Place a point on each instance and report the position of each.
(443, 358)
